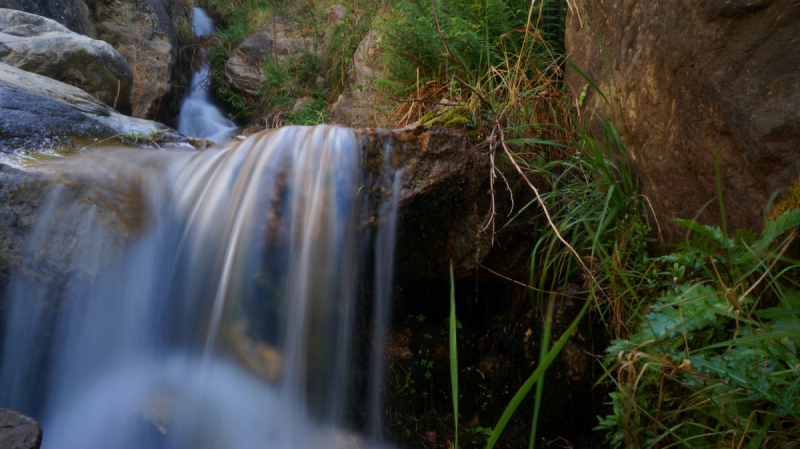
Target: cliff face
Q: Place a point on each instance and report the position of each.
(693, 78)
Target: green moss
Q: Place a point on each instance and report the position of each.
(789, 202)
(458, 117)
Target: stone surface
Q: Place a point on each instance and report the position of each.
(40, 45)
(17, 431)
(360, 103)
(38, 113)
(696, 77)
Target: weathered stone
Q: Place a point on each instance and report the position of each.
(38, 113)
(301, 104)
(39, 45)
(695, 78)
(359, 105)
(17, 431)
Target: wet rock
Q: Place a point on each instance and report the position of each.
(359, 105)
(17, 431)
(38, 113)
(39, 45)
(694, 78)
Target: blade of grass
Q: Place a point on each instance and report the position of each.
(548, 322)
(526, 387)
(453, 353)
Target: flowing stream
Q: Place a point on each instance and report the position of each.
(221, 313)
(199, 116)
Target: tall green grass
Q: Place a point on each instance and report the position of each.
(467, 38)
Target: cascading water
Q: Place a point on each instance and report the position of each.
(224, 320)
(199, 116)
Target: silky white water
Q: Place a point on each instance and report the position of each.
(224, 319)
(199, 116)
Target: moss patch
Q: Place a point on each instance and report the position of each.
(789, 202)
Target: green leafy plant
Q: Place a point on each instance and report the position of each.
(715, 363)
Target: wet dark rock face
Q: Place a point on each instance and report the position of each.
(17, 431)
(695, 78)
(445, 202)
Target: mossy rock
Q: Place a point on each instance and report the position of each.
(458, 117)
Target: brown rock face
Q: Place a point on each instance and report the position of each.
(695, 77)
(17, 431)
(144, 33)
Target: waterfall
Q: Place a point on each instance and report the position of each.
(199, 116)
(224, 318)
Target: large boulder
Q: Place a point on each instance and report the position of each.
(17, 431)
(39, 45)
(694, 78)
(38, 113)
(361, 102)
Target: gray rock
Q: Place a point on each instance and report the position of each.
(17, 431)
(695, 77)
(301, 104)
(39, 45)
(39, 113)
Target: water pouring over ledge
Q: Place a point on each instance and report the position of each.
(224, 319)
(199, 116)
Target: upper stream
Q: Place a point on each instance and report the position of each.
(199, 116)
